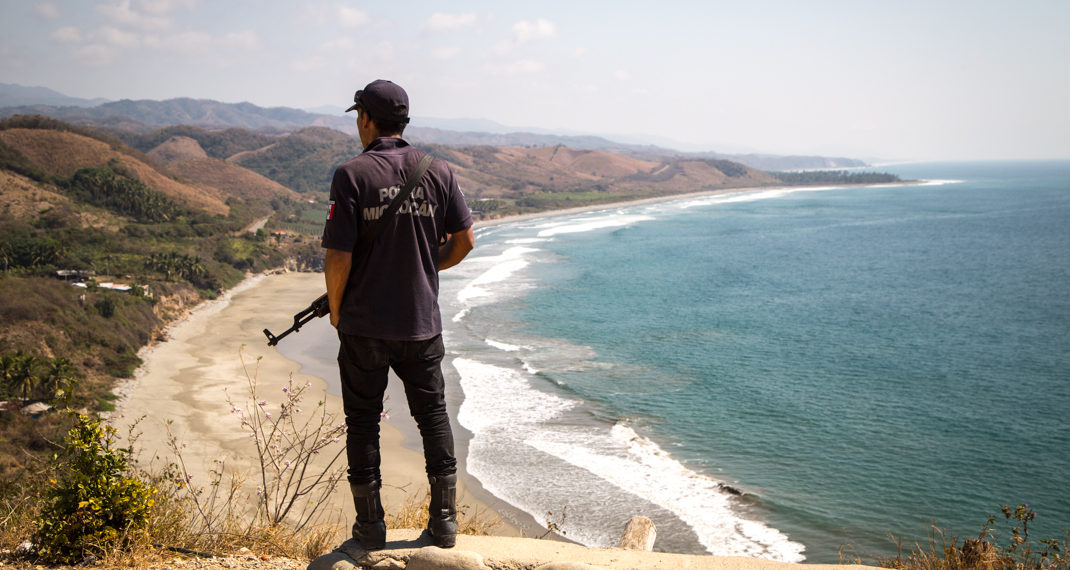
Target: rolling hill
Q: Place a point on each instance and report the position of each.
(63, 153)
(184, 157)
(145, 116)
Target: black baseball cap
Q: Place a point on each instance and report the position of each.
(383, 100)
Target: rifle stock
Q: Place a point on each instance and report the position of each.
(317, 309)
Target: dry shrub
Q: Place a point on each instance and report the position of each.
(413, 514)
(987, 551)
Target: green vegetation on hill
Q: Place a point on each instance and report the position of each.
(729, 168)
(813, 177)
(123, 195)
(28, 376)
(304, 160)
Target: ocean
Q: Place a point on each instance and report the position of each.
(784, 373)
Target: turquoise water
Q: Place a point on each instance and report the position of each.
(856, 361)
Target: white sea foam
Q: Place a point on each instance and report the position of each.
(503, 266)
(512, 422)
(502, 346)
(529, 368)
(940, 182)
(755, 195)
(587, 224)
(526, 241)
(461, 315)
(497, 397)
(641, 467)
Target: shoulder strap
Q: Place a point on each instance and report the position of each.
(367, 238)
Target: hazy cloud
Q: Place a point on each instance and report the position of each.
(446, 52)
(525, 31)
(47, 10)
(184, 42)
(519, 67)
(441, 21)
(120, 13)
(116, 37)
(67, 34)
(340, 45)
(166, 6)
(351, 17)
(95, 54)
(9, 59)
(246, 39)
(310, 63)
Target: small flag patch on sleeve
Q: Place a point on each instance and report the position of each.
(330, 210)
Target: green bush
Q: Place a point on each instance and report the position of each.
(107, 188)
(93, 505)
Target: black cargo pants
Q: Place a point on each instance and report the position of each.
(364, 363)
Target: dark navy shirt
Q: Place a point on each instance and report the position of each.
(392, 291)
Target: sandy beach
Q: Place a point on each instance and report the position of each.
(185, 381)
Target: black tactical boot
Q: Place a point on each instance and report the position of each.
(369, 527)
(442, 511)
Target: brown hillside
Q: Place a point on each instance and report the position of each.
(232, 180)
(63, 153)
(175, 149)
(516, 172)
(584, 163)
(187, 159)
(26, 200)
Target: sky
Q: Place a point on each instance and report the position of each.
(872, 79)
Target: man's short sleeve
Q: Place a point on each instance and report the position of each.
(458, 216)
(340, 229)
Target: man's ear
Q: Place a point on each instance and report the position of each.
(368, 124)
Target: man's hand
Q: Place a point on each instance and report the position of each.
(336, 266)
(456, 247)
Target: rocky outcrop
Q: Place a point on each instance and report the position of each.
(412, 550)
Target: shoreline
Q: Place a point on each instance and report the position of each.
(677, 197)
(184, 381)
(212, 333)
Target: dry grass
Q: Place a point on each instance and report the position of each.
(944, 552)
(413, 514)
(231, 179)
(63, 153)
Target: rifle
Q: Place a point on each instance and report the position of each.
(317, 309)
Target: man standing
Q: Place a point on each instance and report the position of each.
(384, 303)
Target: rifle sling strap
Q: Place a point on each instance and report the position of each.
(364, 242)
